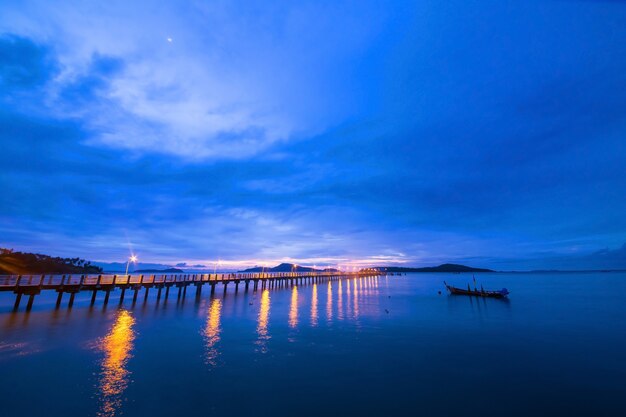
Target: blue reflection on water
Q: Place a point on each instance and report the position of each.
(389, 346)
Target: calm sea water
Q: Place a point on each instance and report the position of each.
(385, 346)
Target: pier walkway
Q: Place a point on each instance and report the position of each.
(32, 285)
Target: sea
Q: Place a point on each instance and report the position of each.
(379, 346)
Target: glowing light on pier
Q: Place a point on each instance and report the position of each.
(132, 259)
(212, 331)
(293, 309)
(263, 320)
(117, 347)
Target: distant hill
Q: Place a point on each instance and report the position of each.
(164, 271)
(440, 268)
(14, 263)
(286, 267)
(114, 267)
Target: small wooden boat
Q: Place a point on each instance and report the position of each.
(476, 292)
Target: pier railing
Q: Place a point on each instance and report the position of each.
(10, 282)
(72, 284)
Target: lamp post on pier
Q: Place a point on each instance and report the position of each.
(132, 259)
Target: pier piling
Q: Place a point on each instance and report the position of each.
(31, 298)
(18, 298)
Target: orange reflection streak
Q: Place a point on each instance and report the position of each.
(212, 331)
(293, 308)
(356, 300)
(264, 315)
(117, 347)
(329, 302)
(348, 298)
(314, 306)
(339, 302)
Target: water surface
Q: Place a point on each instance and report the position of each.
(370, 346)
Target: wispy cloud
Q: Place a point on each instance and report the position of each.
(199, 81)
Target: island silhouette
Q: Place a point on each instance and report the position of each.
(34, 263)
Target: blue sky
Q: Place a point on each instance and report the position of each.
(354, 133)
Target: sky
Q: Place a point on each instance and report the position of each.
(350, 133)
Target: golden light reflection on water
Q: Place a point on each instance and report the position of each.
(339, 301)
(293, 308)
(329, 302)
(117, 347)
(212, 331)
(314, 306)
(355, 304)
(263, 319)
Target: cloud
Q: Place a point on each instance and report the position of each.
(229, 84)
(572, 260)
(24, 65)
(316, 132)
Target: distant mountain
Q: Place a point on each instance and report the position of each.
(286, 267)
(440, 268)
(121, 266)
(34, 263)
(163, 271)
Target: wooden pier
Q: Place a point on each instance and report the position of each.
(32, 285)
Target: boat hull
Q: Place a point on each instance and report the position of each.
(478, 293)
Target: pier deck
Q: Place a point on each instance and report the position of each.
(32, 285)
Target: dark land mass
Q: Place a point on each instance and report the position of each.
(19, 263)
(440, 268)
(285, 267)
(165, 271)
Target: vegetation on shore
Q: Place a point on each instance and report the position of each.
(34, 263)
